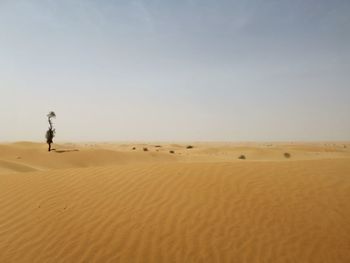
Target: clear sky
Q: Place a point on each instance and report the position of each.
(158, 70)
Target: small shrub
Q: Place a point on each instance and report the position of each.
(133, 148)
(189, 147)
(158, 146)
(287, 155)
(242, 157)
(50, 133)
(145, 149)
(172, 152)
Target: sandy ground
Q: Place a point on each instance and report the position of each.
(109, 203)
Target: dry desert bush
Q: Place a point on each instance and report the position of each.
(287, 155)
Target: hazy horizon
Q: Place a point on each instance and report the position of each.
(175, 71)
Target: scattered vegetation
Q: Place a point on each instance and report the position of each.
(242, 157)
(50, 134)
(145, 149)
(189, 147)
(287, 155)
(172, 152)
(158, 146)
(133, 148)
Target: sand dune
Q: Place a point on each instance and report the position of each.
(109, 203)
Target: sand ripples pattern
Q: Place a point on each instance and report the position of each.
(180, 212)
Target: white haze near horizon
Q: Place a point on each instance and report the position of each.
(175, 70)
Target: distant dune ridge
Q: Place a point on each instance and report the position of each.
(118, 203)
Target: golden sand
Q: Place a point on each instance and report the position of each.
(110, 203)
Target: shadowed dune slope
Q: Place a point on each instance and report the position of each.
(296, 211)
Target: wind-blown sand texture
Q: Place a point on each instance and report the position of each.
(110, 203)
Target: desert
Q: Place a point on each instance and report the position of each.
(174, 131)
(115, 202)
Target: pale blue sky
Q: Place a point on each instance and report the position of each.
(175, 70)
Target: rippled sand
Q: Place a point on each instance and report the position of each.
(110, 203)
